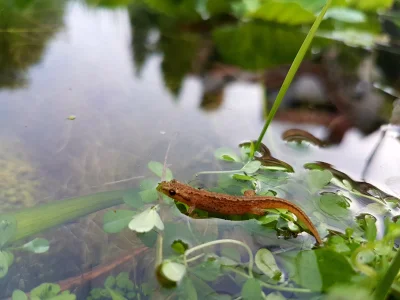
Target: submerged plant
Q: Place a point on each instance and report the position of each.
(45, 291)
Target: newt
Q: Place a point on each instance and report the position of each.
(231, 205)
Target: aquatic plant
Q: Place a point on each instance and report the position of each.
(43, 292)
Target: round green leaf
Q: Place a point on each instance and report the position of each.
(345, 14)
(3, 264)
(251, 167)
(9, 256)
(251, 290)
(8, 228)
(334, 204)
(226, 154)
(19, 295)
(116, 220)
(179, 246)
(157, 168)
(46, 290)
(265, 261)
(317, 179)
(173, 271)
(37, 245)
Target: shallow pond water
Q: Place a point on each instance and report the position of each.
(90, 94)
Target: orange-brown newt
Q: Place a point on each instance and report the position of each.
(231, 205)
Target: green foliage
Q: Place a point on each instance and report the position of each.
(251, 289)
(118, 288)
(43, 292)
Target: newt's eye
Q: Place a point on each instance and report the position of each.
(172, 192)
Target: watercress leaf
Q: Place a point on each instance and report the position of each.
(322, 268)
(267, 219)
(251, 290)
(116, 220)
(19, 295)
(345, 14)
(293, 227)
(146, 221)
(251, 167)
(338, 244)
(115, 295)
(149, 195)
(226, 154)
(133, 199)
(349, 292)
(123, 281)
(275, 296)
(317, 179)
(37, 245)
(366, 256)
(46, 290)
(63, 296)
(173, 271)
(334, 205)
(208, 270)
(242, 177)
(188, 289)
(3, 264)
(9, 256)
(157, 168)
(109, 282)
(265, 261)
(179, 246)
(8, 228)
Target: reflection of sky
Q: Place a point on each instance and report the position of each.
(88, 71)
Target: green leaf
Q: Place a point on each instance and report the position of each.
(8, 228)
(123, 281)
(275, 296)
(334, 205)
(317, 179)
(208, 270)
(370, 5)
(349, 292)
(9, 256)
(116, 220)
(267, 219)
(265, 261)
(188, 289)
(109, 282)
(157, 168)
(133, 199)
(226, 154)
(19, 295)
(242, 177)
(71, 117)
(115, 295)
(149, 195)
(46, 290)
(3, 264)
(251, 290)
(146, 221)
(37, 246)
(345, 14)
(173, 271)
(284, 13)
(251, 167)
(179, 246)
(232, 253)
(320, 269)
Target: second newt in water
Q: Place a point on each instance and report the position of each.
(231, 205)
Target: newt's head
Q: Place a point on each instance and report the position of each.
(175, 190)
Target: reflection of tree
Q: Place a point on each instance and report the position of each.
(25, 27)
(178, 47)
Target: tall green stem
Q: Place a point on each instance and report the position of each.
(292, 71)
(385, 283)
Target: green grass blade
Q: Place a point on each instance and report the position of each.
(385, 283)
(37, 219)
(292, 71)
